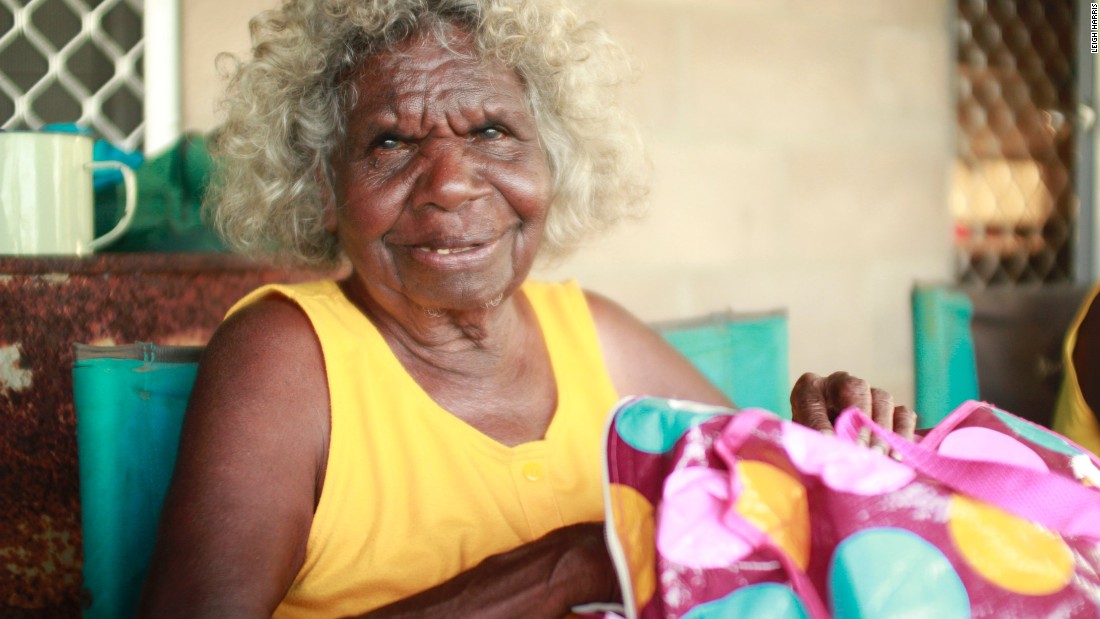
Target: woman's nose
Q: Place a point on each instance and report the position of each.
(449, 178)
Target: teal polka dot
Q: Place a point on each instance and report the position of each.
(1036, 435)
(767, 601)
(889, 572)
(653, 425)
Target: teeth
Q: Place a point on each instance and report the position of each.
(445, 252)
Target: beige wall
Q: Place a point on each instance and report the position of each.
(800, 151)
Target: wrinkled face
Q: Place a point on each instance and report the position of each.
(442, 188)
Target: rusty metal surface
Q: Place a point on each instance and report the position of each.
(47, 305)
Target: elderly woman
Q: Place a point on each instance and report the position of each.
(421, 437)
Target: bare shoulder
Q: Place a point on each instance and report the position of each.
(251, 461)
(641, 362)
(263, 367)
(270, 337)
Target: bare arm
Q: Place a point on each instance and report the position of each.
(540, 580)
(641, 362)
(233, 530)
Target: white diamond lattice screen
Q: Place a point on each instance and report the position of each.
(1014, 200)
(73, 61)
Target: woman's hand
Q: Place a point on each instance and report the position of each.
(816, 401)
(542, 579)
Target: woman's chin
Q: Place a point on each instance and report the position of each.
(462, 292)
(449, 300)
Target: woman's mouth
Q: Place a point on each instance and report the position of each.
(445, 251)
(453, 255)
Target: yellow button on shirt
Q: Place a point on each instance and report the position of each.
(532, 471)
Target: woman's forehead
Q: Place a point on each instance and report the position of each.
(423, 76)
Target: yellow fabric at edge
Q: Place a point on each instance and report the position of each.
(1072, 416)
(413, 495)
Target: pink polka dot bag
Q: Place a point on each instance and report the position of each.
(712, 513)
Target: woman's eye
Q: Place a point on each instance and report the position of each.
(491, 133)
(389, 144)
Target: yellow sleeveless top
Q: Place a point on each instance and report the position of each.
(412, 495)
(1072, 416)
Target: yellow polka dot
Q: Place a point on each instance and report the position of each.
(1011, 552)
(634, 525)
(774, 502)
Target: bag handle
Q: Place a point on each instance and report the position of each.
(737, 430)
(949, 423)
(1055, 502)
(800, 581)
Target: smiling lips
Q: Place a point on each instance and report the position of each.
(454, 253)
(453, 245)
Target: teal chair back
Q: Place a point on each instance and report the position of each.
(129, 402)
(946, 374)
(743, 354)
(999, 344)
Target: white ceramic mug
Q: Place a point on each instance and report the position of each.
(47, 205)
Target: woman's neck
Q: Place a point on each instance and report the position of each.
(470, 341)
(463, 360)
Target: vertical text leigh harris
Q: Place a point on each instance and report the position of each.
(1093, 19)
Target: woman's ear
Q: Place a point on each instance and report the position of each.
(323, 178)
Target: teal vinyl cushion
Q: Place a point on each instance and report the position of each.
(743, 354)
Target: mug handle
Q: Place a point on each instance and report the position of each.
(130, 181)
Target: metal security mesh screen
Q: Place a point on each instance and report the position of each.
(73, 61)
(1014, 202)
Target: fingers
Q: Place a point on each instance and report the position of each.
(900, 419)
(882, 413)
(905, 422)
(816, 401)
(808, 403)
(842, 390)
